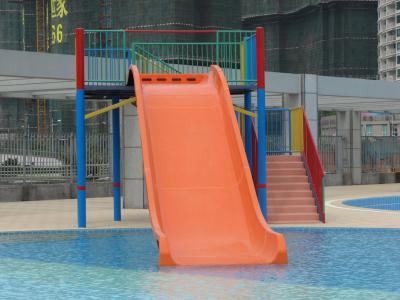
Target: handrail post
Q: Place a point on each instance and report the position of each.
(80, 126)
(262, 165)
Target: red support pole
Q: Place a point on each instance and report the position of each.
(80, 58)
(260, 57)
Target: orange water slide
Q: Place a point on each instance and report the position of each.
(203, 205)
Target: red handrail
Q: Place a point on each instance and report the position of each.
(314, 166)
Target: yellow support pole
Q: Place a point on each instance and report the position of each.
(109, 108)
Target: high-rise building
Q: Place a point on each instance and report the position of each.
(389, 40)
(324, 37)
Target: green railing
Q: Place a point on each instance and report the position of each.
(109, 57)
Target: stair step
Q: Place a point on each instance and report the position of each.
(287, 186)
(286, 172)
(285, 165)
(289, 194)
(293, 218)
(291, 201)
(294, 178)
(291, 209)
(275, 158)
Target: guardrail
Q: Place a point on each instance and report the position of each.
(109, 53)
(279, 131)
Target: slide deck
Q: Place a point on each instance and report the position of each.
(202, 201)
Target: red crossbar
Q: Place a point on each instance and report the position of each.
(171, 30)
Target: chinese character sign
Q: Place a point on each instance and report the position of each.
(58, 11)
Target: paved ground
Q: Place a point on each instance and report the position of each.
(61, 214)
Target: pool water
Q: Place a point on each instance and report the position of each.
(385, 203)
(123, 264)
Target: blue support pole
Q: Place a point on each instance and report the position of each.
(81, 157)
(262, 140)
(262, 134)
(248, 130)
(116, 161)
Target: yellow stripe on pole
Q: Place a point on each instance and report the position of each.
(109, 108)
(244, 112)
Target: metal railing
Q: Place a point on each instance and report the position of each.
(380, 154)
(46, 158)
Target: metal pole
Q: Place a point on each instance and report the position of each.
(80, 127)
(248, 130)
(116, 161)
(262, 165)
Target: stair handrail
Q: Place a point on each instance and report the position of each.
(314, 166)
(153, 59)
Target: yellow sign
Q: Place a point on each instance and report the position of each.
(58, 11)
(58, 8)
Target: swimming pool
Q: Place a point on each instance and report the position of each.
(385, 203)
(122, 264)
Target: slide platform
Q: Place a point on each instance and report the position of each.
(202, 201)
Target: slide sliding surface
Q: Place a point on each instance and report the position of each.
(202, 201)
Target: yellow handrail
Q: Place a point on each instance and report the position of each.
(244, 112)
(109, 108)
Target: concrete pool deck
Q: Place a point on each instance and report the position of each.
(61, 214)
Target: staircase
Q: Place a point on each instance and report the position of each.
(290, 199)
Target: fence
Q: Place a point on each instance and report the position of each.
(329, 148)
(37, 158)
(380, 154)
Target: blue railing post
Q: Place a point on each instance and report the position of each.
(116, 161)
(248, 130)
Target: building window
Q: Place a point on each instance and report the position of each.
(398, 32)
(397, 19)
(398, 5)
(398, 46)
(398, 60)
(384, 130)
(398, 73)
(369, 130)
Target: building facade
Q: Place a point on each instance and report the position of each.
(389, 40)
